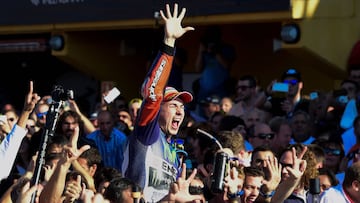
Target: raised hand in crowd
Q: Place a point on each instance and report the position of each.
(88, 126)
(272, 169)
(233, 184)
(73, 190)
(295, 172)
(10, 145)
(26, 193)
(173, 28)
(179, 191)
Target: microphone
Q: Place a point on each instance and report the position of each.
(136, 193)
(210, 136)
(314, 189)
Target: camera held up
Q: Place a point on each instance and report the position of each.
(221, 163)
(60, 94)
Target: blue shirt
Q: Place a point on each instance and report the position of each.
(112, 150)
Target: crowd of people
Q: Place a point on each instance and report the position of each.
(271, 144)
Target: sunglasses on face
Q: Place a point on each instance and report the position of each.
(335, 152)
(196, 190)
(243, 87)
(291, 82)
(41, 115)
(264, 136)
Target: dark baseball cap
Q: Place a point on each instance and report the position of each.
(291, 73)
(213, 99)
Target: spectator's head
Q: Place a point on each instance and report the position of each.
(106, 123)
(210, 105)
(327, 179)
(215, 120)
(351, 87)
(103, 176)
(233, 123)
(354, 73)
(334, 153)
(293, 78)
(124, 119)
(246, 88)
(254, 116)
(56, 144)
(282, 130)
(172, 111)
(301, 126)
(226, 104)
(260, 134)
(67, 123)
(40, 112)
(253, 181)
(233, 140)
(90, 160)
(120, 190)
(351, 183)
(319, 154)
(259, 156)
(12, 117)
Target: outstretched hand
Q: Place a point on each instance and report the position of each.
(299, 165)
(173, 27)
(179, 191)
(71, 151)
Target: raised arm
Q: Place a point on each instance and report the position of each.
(153, 87)
(10, 145)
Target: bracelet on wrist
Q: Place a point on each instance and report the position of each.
(267, 195)
(235, 195)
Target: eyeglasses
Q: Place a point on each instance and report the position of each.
(264, 136)
(291, 82)
(335, 152)
(243, 87)
(41, 115)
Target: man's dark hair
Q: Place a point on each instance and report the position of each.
(352, 174)
(92, 157)
(276, 122)
(229, 122)
(332, 177)
(105, 174)
(264, 148)
(352, 82)
(253, 171)
(250, 78)
(114, 192)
